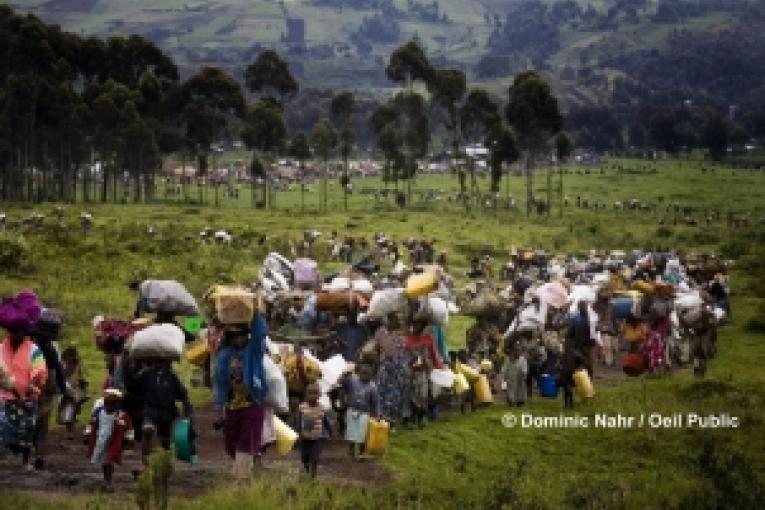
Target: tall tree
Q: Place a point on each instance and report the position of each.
(213, 98)
(300, 150)
(384, 120)
(270, 78)
(342, 109)
(447, 89)
(534, 115)
(503, 150)
(264, 131)
(407, 65)
(479, 117)
(716, 137)
(324, 141)
(563, 148)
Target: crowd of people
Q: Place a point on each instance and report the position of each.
(349, 355)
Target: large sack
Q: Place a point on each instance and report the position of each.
(485, 302)
(688, 301)
(277, 396)
(553, 294)
(167, 296)
(332, 369)
(305, 272)
(385, 302)
(432, 309)
(278, 264)
(339, 302)
(421, 284)
(301, 372)
(529, 319)
(582, 293)
(341, 284)
(231, 304)
(111, 334)
(160, 341)
(20, 312)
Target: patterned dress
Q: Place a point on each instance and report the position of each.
(654, 349)
(393, 375)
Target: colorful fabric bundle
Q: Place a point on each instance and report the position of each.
(20, 312)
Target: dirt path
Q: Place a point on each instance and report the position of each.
(68, 470)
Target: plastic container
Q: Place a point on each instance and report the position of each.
(470, 373)
(443, 378)
(332, 369)
(285, 437)
(193, 325)
(185, 446)
(622, 307)
(483, 390)
(377, 437)
(548, 386)
(421, 284)
(486, 366)
(460, 384)
(198, 352)
(583, 384)
(644, 287)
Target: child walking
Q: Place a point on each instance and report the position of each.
(314, 427)
(71, 402)
(161, 389)
(363, 402)
(107, 433)
(516, 377)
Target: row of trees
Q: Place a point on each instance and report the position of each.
(67, 101)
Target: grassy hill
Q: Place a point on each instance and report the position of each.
(334, 52)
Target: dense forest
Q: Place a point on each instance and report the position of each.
(69, 100)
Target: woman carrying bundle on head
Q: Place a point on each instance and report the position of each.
(23, 361)
(240, 390)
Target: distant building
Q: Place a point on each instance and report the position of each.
(295, 31)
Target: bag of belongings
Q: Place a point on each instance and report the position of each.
(111, 333)
(485, 301)
(277, 386)
(167, 296)
(385, 302)
(301, 371)
(305, 273)
(158, 341)
(231, 305)
(340, 302)
(20, 312)
(432, 309)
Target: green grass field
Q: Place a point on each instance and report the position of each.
(460, 461)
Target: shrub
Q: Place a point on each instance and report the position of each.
(14, 254)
